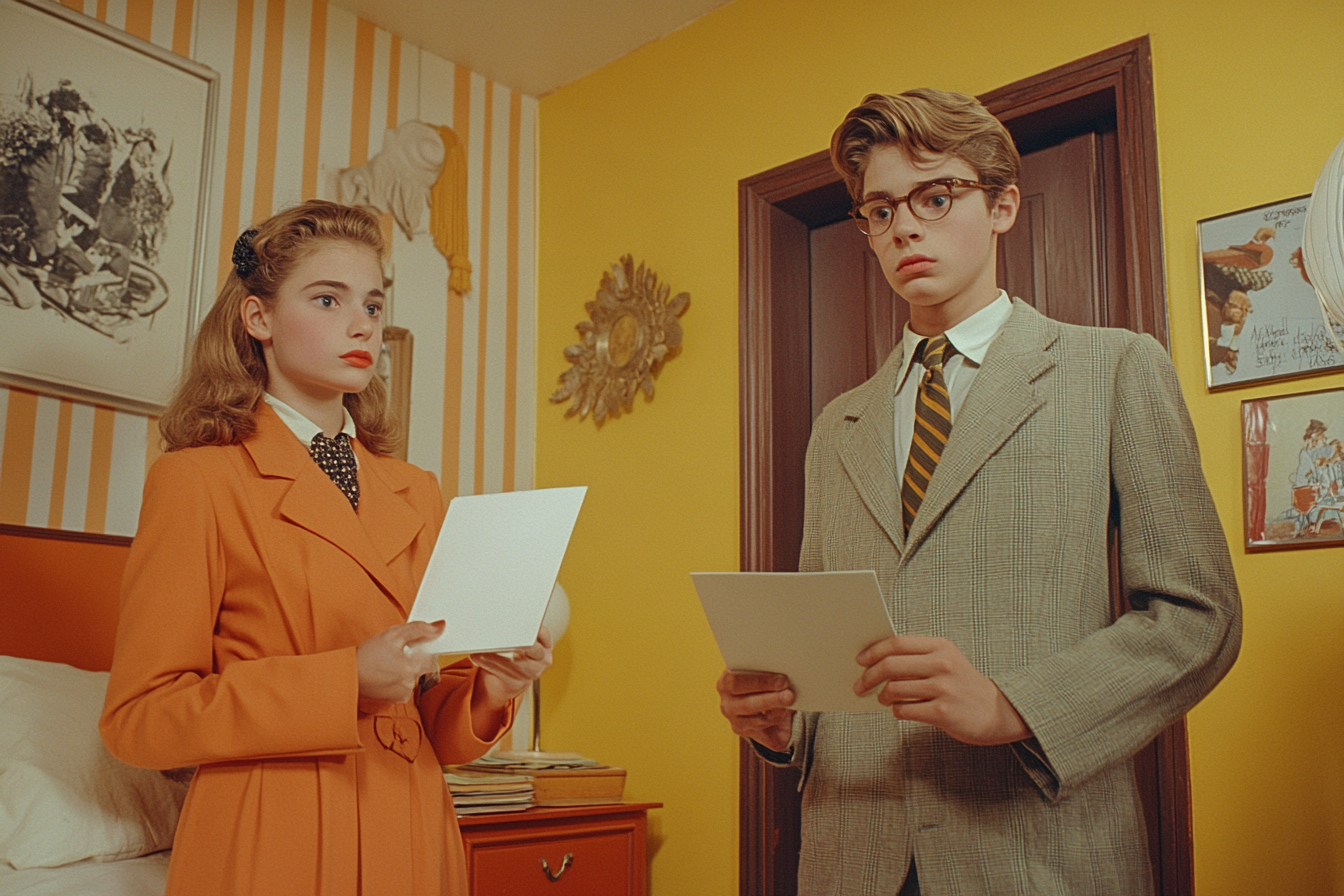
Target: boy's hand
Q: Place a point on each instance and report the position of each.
(930, 680)
(756, 705)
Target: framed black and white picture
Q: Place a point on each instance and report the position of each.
(1262, 319)
(105, 154)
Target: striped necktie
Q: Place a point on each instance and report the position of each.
(933, 424)
(337, 459)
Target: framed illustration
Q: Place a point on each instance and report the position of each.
(1262, 319)
(1292, 449)
(105, 152)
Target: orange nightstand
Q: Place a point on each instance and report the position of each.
(556, 851)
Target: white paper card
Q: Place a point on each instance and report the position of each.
(808, 625)
(494, 566)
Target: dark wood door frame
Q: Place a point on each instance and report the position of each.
(776, 210)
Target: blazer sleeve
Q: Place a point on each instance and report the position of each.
(1103, 698)
(166, 705)
(809, 560)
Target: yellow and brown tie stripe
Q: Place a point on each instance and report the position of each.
(933, 424)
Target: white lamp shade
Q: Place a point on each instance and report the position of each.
(557, 613)
(1323, 240)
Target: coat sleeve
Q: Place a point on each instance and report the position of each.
(445, 712)
(167, 706)
(1103, 698)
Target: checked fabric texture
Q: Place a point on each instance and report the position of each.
(337, 460)
(1010, 574)
(933, 424)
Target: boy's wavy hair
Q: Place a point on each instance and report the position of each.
(217, 398)
(925, 122)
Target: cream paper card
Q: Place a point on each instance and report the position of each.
(808, 625)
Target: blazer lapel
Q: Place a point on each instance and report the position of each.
(1002, 398)
(313, 503)
(867, 448)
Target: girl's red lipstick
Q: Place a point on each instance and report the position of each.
(358, 358)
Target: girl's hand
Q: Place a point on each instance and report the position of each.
(506, 675)
(387, 670)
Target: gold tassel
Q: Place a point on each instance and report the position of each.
(448, 212)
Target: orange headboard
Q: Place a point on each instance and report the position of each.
(59, 595)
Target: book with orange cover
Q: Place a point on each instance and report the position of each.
(577, 786)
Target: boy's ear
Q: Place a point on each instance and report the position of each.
(256, 319)
(1004, 211)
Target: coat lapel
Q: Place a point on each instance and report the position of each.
(386, 524)
(867, 448)
(389, 521)
(1003, 397)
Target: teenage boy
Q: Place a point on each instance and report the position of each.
(977, 473)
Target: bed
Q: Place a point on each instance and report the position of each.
(72, 818)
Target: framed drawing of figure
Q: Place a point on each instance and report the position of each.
(105, 148)
(1293, 470)
(1262, 319)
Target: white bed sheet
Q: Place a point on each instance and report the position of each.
(145, 876)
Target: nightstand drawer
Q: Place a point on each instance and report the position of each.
(599, 864)
(607, 846)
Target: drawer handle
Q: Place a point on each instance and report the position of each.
(564, 864)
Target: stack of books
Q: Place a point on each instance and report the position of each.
(476, 793)
(558, 779)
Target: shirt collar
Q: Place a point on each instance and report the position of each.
(971, 338)
(301, 426)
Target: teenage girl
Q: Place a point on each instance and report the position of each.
(263, 634)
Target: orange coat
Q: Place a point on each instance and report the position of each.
(248, 587)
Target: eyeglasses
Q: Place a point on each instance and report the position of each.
(928, 202)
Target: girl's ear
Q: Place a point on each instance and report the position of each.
(256, 319)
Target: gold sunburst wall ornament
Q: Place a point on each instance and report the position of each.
(632, 330)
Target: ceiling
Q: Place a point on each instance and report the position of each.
(532, 46)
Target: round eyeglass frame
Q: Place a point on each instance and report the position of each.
(872, 228)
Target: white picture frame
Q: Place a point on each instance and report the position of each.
(1262, 319)
(1292, 449)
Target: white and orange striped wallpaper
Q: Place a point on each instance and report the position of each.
(307, 89)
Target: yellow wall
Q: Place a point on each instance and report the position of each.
(644, 157)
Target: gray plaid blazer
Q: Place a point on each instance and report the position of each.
(1064, 428)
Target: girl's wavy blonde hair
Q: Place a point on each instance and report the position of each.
(926, 122)
(217, 398)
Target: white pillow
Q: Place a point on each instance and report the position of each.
(63, 797)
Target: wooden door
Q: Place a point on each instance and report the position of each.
(1055, 255)
(1086, 249)
(856, 319)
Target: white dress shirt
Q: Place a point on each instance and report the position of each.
(304, 428)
